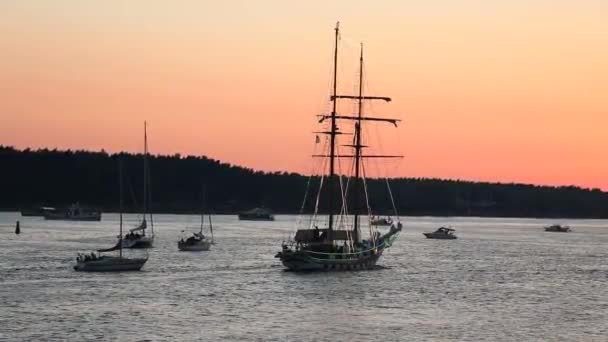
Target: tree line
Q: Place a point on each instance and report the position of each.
(59, 177)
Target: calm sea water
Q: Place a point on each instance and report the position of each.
(503, 280)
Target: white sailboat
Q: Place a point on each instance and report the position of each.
(138, 237)
(198, 241)
(341, 244)
(109, 263)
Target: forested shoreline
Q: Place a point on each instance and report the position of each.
(60, 177)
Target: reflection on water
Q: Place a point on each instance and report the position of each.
(504, 279)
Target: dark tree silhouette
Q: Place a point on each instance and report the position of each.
(57, 178)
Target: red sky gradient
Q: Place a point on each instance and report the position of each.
(510, 91)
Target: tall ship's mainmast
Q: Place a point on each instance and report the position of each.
(340, 246)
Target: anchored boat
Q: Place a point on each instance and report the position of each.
(256, 214)
(74, 212)
(558, 228)
(198, 241)
(346, 242)
(108, 263)
(442, 233)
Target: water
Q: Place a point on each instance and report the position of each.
(502, 280)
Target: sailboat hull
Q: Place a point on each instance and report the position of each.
(197, 247)
(110, 264)
(142, 242)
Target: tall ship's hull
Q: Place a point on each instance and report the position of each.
(310, 261)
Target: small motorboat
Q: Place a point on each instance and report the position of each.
(558, 228)
(442, 233)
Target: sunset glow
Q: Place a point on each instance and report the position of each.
(507, 91)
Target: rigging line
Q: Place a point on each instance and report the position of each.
(344, 197)
(390, 193)
(323, 163)
(345, 205)
(316, 211)
(132, 192)
(314, 148)
(372, 229)
(299, 220)
(343, 209)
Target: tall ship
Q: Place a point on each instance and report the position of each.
(348, 239)
(142, 236)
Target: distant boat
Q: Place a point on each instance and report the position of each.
(198, 241)
(558, 228)
(256, 214)
(137, 237)
(74, 212)
(36, 211)
(442, 233)
(344, 243)
(108, 263)
(381, 221)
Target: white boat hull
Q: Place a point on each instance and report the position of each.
(110, 264)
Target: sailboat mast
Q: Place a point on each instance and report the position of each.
(358, 147)
(203, 207)
(333, 131)
(120, 205)
(145, 170)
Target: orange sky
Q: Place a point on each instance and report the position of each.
(488, 90)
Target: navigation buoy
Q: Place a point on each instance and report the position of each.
(17, 228)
